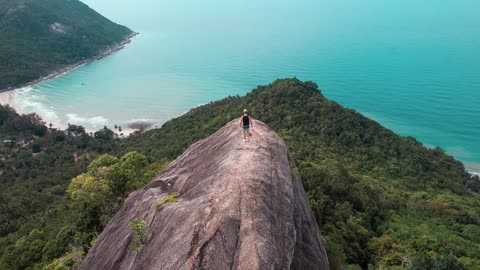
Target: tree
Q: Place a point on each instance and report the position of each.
(59, 246)
(104, 134)
(75, 130)
(128, 174)
(26, 251)
(36, 148)
(88, 191)
(100, 166)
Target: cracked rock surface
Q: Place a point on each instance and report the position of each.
(239, 207)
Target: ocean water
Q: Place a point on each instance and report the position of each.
(414, 66)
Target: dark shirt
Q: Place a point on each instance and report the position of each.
(246, 120)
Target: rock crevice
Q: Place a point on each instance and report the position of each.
(239, 207)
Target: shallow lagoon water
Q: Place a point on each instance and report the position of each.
(414, 67)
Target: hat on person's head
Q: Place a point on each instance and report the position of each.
(245, 110)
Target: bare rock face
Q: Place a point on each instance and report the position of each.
(239, 207)
(58, 28)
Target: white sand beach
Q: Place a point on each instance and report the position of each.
(8, 98)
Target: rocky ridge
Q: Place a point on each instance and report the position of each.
(238, 206)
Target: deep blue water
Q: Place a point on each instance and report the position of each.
(414, 66)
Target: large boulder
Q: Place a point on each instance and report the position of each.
(238, 207)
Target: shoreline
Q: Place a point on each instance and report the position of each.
(7, 95)
(8, 98)
(62, 71)
(472, 168)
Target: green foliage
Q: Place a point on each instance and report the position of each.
(382, 201)
(361, 178)
(93, 199)
(32, 189)
(68, 262)
(98, 194)
(58, 246)
(20, 127)
(88, 190)
(447, 262)
(75, 130)
(104, 134)
(353, 267)
(99, 167)
(139, 230)
(128, 174)
(172, 197)
(26, 251)
(36, 148)
(38, 37)
(30, 183)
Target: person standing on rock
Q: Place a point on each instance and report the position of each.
(246, 122)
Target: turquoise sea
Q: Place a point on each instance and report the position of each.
(414, 66)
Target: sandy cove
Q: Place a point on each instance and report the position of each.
(7, 96)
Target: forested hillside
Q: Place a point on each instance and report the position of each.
(382, 201)
(38, 37)
(37, 163)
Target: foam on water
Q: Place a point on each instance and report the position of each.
(405, 64)
(27, 100)
(473, 168)
(141, 120)
(95, 122)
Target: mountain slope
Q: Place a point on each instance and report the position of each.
(238, 207)
(381, 200)
(38, 37)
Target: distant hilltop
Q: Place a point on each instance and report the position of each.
(223, 204)
(40, 39)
